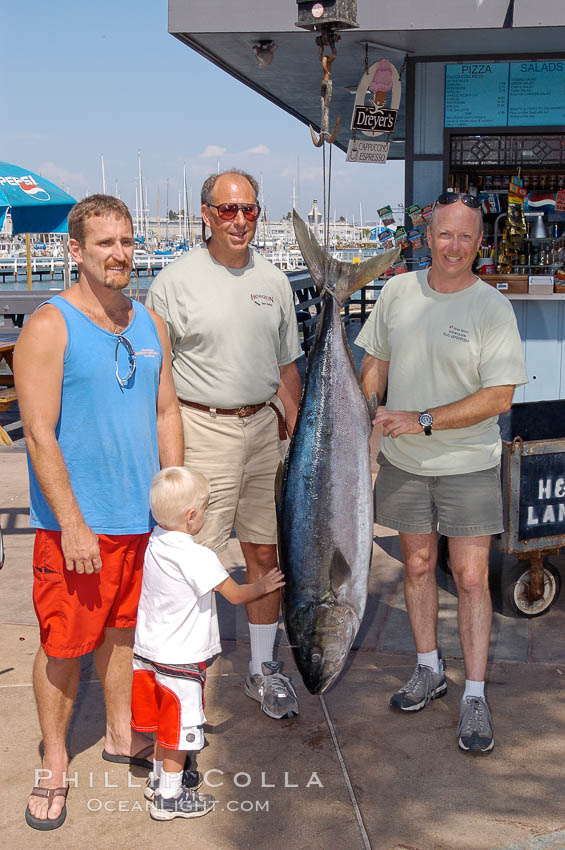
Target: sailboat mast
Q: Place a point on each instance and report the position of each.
(191, 218)
(140, 184)
(185, 207)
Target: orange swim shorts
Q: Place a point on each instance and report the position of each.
(74, 609)
(168, 699)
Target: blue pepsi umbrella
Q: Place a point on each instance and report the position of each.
(36, 205)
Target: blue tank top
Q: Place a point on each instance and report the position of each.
(107, 432)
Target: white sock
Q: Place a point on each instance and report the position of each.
(155, 774)
(262, 640)
(474, 689)
(170, 784)
(430, 659)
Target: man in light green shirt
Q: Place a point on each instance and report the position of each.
(234, 338)
(446, 348)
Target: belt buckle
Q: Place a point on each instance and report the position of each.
(245, 411)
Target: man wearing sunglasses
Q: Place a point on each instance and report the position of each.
(446, 348)
(98, 403)
(234, 337)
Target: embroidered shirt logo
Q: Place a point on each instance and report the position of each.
(147, 352)
(459, 334)
(262, 300)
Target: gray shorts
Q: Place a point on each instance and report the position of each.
(468, 505)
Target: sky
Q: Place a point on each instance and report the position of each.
(83, 80)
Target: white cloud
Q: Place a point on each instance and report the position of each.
(306, 172)
(61, 176)
(213, 151)
(260, 149)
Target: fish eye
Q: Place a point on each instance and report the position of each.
(316, 655)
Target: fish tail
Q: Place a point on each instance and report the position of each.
(314, 255)
(324, 269)
(355, 277)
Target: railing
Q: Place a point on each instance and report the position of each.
(54, 267)
(15, 306)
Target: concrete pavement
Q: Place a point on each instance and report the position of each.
(347, 773)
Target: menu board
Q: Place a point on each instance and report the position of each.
(476, 94)
(536, 94)
(505, 94)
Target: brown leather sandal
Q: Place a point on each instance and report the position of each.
(48, 823)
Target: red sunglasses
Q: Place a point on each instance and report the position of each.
(228, 212)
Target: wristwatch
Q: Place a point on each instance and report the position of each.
(426, 420)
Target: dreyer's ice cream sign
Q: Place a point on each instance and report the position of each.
(382, 82)
(27, 184)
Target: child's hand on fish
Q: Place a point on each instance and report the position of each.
(396, 422)
(272, 581)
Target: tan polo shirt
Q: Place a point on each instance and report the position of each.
(443, 347)
(230, 329)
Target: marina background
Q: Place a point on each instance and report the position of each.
(82, 81)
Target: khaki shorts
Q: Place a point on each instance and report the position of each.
(468, 505)
(240, 458)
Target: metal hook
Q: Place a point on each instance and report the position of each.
(328, 39)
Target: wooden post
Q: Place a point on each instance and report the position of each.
(66, 271)
(28, 260)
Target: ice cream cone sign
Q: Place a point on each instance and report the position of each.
(382, 82)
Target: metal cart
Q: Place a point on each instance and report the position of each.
(533, 494)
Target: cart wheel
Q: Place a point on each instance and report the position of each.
(1, 550)
(516, 588)
(443, 554)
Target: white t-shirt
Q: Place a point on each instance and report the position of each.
(230, 329)
(441, 348)
(177, 621)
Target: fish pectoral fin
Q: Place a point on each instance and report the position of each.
(340, 571)
(279, 483)
(372, 403)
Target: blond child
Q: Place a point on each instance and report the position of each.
(177, 632)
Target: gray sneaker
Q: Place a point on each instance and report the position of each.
(474, 733)
(273, 690)
(423, 686)
(187, 804)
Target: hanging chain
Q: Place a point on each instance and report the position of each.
(327, 188)
(403, 68)
(324, 207)
(329, 200)
(329, 38)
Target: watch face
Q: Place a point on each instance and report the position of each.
(425, 419)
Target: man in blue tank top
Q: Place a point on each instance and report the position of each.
(98, 404)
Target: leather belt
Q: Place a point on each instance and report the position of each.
(243, 411)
